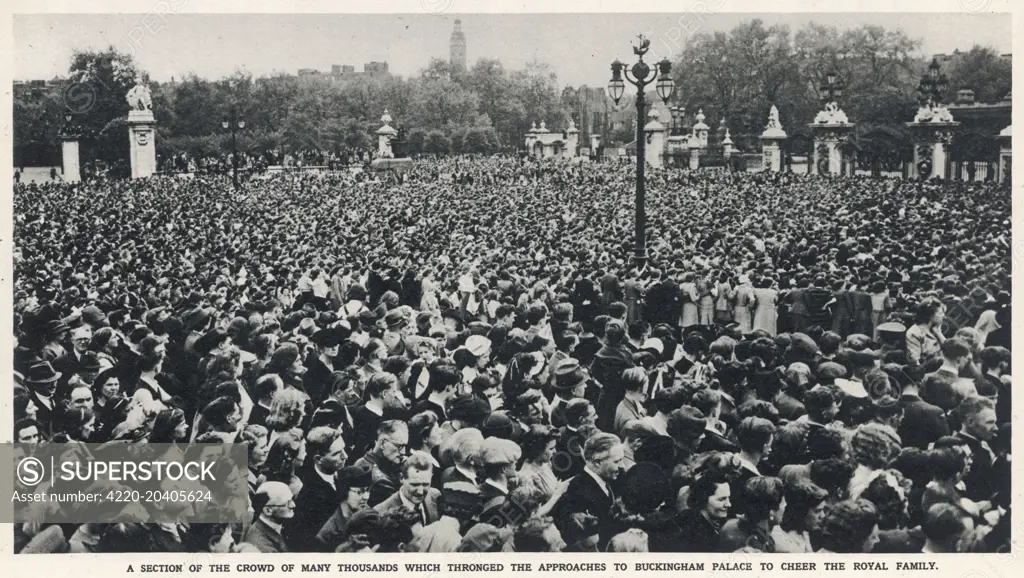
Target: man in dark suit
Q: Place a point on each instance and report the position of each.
(41, 380)
(591, 492)
(663, 302)
(611, 289)
(71, 362)
(385, 459)
(799, 309)
(923, 423)
(318, 497)
(415, 492)
(278, 508)
(979, 427)
(568, 459)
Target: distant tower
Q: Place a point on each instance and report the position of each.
(458, 47)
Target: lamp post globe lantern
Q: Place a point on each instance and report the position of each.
(832, 88)
(932, 86)
(616, 87)
(640, 75)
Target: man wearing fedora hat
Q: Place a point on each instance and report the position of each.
(570, 383)
(398, 328)
(41, 380)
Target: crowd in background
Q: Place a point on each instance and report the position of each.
(467, 359)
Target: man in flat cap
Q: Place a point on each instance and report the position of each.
(500, 458)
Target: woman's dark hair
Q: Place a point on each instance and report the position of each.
(100, 339)
(442, 375)
(761, 496)
(703, 488)
(833, 475)
(824, 443)
(164, 425)
(396, 529)
(945, 463)
(280, 462)
(395, 365)
(847, 525)
(223, 363)
(464, 358)
(801, 499)
(261, 345)
(889, 499)
(215, 414)
(926, 310)
(420, 426)
(536, 440)
(71, 420)
(21, 402)
(914, 465)
(789, 443)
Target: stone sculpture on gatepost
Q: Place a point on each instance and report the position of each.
(771, 142)
(141, 130)
(831, 129)
(654, 132)
(932, 130)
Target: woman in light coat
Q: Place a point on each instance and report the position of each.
(743, 300)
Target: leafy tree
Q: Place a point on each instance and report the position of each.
(476, 141)
(416, 140)
(436, 143)
(982, 70)
(458, 141)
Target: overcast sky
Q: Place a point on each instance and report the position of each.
(578, 46)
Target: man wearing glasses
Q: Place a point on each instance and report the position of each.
(70, 363)
(385, 459)
(265, 534)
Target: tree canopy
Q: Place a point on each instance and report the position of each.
(734, 75)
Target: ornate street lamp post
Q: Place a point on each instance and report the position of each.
(640, 76)
(235, 124)
(932, 86)
(832, 89)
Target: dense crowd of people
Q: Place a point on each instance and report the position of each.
(468, 359)
(260, 162)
